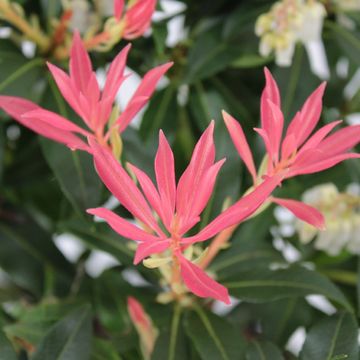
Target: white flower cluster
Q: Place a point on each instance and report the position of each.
(288, 22)
(85, 15)
(342, 215)
(347, 5)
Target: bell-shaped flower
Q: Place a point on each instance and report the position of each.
(170, 210)
(302, 150)
(82, 92)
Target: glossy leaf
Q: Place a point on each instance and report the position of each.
(263, 350)
(335, 337)
(265, 284)
(213, 337)
(68, 339)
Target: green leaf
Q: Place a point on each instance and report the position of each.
(68, 339)
(249, 248)
(335, 337)
(104, 350)
(99, 236)
(263, 350)
(277, 319)
(296, 83)
(171, 343)
(209, 55)
(348, 41)
(222, 43)
(74, 170)
(160, 33)
(250, 60)
(51, 9)
(27, 250)
(205, 104)
(161, 113)
(6, 350)
(213, 337)
(110, 292)
(20, 76)
(261, 285)
(34, 322)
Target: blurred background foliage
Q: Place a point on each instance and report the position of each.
(54, 307)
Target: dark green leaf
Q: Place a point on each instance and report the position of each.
(34, 322)
(6, 350)
(349, 41)
(213, 337)
(68, 339)
(161, 113)
(275, 321)
(263, 350)
(74, 170)
(26, 252)
(249, 249)
(19, 75)
(332, 338)
(99, 236)
(264, 285)
(104, 350)
(250, 60)
(171, 343)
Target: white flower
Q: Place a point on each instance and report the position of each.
(348, 5)
(342, 216)
(83, 17)
(105, 8)
(289, 22)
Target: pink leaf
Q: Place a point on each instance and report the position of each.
(137, 314)
(115, 75)
(165, 177)
(238, 212)
(80, 64)
(130, 112)
(122, 226)
(148, 189)
(303, 125)
(121, 185)
(118, 8)
(320, 163)
(17, 107)
(55, 120)
(341, 141)
(303, 211)
(148, 248)
(67, 90)
(277, 125)
(288, 146)
(203, 195)
(199, 283)
(145, 90)
(318, 137)
(268, 147)
(138, 18)
(271, 92)
(238, 137)
(202, 158)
